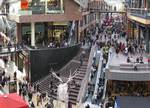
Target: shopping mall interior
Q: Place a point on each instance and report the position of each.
(74, 53)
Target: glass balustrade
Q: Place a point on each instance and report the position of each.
(140, 12)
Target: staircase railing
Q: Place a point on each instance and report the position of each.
(84, 82)
(107, 70)
(98, 74)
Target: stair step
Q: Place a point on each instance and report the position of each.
(73, 102)
(81, 72)
(81, 69)
(73, 94)
(73, 98)
(80, 75)
(74, 90)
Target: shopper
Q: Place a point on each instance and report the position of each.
(88, 106)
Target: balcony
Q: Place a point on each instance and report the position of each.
(140, 15)
(140, 12)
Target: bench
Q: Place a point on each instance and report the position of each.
(132, 68)
(131, 65)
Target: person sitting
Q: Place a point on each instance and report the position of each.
(135, 67)
(137, 60)
(50, 45)
(132, 59)
(141, 59)
(15, 75)
(149, 61)
(128, 60)
(87, 106)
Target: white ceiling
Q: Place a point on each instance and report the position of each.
(114, 1)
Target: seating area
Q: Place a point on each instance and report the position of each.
(130, 67)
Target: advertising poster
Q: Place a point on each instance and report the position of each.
(13, 87)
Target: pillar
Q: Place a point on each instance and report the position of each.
(139, 34)
(32, 34)
(147, 38)
(79, 31)
(132, 31)
(19, 36)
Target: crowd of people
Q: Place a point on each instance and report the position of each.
(11, 84)
(57, 44)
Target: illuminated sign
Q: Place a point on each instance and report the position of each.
(54, 6)
(24, 4)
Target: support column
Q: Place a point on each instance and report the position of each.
(19, 36)
(79, 31)
(147, 38)
(133, 31)
(76, 31)
(139, 34)
(32, 34)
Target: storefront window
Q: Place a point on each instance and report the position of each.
(148, 4)
(39, 33)
(26, 34)
(54, 6)
(56, 31)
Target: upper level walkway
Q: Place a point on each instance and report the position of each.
(107, 11)
(117, 60)
(140, 15)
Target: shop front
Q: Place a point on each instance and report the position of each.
(57, 31)
(128, 88)
(22, 62)
(45, 33)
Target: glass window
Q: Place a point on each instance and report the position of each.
(26, 34)
(148, 4)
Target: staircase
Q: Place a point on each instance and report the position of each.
(44, 84)
(74, 89)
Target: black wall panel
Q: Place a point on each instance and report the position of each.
(43, 59)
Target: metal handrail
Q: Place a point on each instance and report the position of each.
(110, 55)
(140, 12)
(98, 74)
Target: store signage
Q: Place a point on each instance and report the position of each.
(24, 4)
(54, 6)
